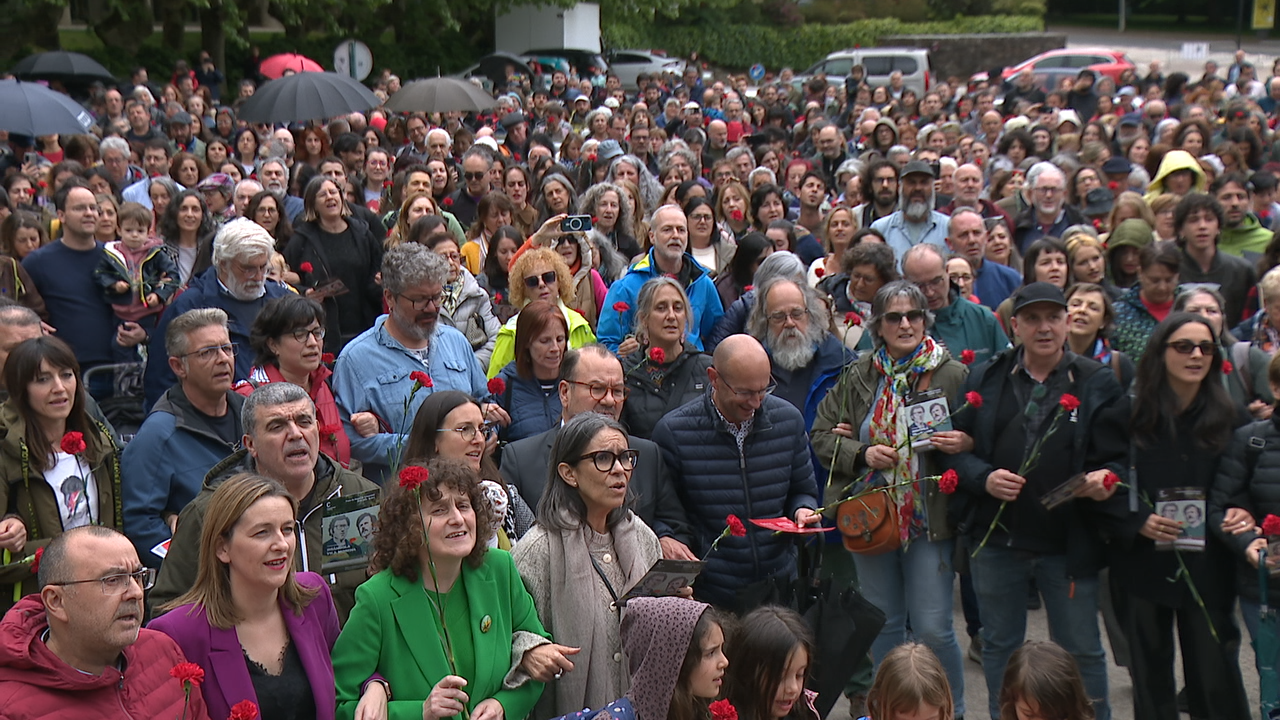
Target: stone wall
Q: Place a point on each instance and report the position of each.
(963, 55)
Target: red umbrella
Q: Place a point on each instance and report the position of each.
(274, 66)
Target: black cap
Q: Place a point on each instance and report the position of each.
(1037, 292)
(918, 166)
(512, 119)
(1117, 165)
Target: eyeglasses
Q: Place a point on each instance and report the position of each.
(424, 302)
(534, 281)
(931, 284)
(796, 315)
(895, 318)
(749, 394)
(1186, 347)
(701, 218)
(302, 334)
(209, 354)
(1049, 190)
(604, 459)
(474, 175)
(117, 584)
(468, 432)
(598, 391)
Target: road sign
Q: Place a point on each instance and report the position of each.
(353, 58)
(1264, 14)
(756, 72)
(1195, 50)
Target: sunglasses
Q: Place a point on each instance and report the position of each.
(895, 318)
(1186, 347)
(534, 281)
(474, 175)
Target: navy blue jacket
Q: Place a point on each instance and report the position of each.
(532, 411)
(712, 477)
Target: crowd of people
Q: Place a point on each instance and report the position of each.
(424, 394)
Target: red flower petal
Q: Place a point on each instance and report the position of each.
(497, 386)
(658, 355)
(621, 307)
(1068, 402)
(948, 482)
(243, 710)
(967, 357)
(327, 358)
(852, 318)
(1271, 525)
(974, 398)
(819, 272)
(306, 267)
(736, 528)
(35, 560)
(1227, 367)
(412, 476)
(736, 215)
(448, 202)
(72, 443)
(1110, 481)
(188, 672)
(723, 710)
(421, 378)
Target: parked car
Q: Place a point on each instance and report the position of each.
(1103, 61)
(629, 64)
(878, 64)
(587, 63)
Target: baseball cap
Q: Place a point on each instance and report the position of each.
(1116, 165)
(1069, 115)
(612, 103)
(512, 119)
(691, 105)
(917, 166)
(1037, 292)
(182, 117)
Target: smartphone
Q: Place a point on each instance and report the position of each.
(576, 223)
(31, 159)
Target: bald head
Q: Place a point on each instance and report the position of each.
(740, 377)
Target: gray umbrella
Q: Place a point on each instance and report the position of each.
(60, 65)
(440, 94)
(33, 109)
(307, 96)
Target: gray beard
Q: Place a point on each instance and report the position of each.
(792, 349)
(916, 211)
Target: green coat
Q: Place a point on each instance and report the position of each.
(852, 406)
(389, 606)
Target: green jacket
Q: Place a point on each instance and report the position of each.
(1247, 237)
(850, 401)
(27, 496)
(964, 325)
(178, 571)
(391, 633)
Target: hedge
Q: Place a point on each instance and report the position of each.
(738, 47)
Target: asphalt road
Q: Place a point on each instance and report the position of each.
(1144, 46)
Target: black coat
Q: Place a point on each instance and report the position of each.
(685, 380)
(353, 312)
(1248, 479)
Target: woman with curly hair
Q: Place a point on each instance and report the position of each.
(443, 611)
(539, 274)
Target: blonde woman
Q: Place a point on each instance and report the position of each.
(539, 274)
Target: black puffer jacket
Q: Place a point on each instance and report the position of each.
(772, 476)
(683, 381)
(1248, 478)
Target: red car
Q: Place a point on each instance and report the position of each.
(1103, 61)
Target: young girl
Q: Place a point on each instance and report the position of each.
(1042, 682)
(910, 685)
(769, 661)
(676, 655)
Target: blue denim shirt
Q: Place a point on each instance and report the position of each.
(372, 375)
(899, 237)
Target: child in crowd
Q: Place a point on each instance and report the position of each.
(136, 275)
(1042, 682)
(769, 661)
(676, 655)
(910, 684)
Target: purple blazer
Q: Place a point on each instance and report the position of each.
(226, 676)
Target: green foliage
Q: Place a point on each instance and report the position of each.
(737, 47)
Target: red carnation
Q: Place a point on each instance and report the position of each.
(421, 378)
(72, 443)
(327, 358)
(974, 398)
(1227, 367)
(948, 482)
(43, 184)
(591, 157)
(736, 215)
(736, 528)
(748, 288)
(1271, 525)
(1110, 481)
(621, 307)
(243, 710)
(723, 710)
(1113, 186)
(333, 429)
(658, 355)
(967, 357)
(387, 183)
(306, 267)
(35, 568)
(1097, 224)
(1069, 402)
(413, 476)
(819, 272)
(188, 672)
(852, 318)
(497, 297)
(448, 202)
(595, 220)
(497, 386)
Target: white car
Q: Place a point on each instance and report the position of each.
(629, 64)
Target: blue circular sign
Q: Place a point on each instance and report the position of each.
(756, 72)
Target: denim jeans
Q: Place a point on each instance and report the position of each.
(1000, 578)
(916, 586)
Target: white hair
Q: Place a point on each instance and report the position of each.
(117, 144)
(241, 238)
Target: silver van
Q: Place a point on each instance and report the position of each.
(879, 62)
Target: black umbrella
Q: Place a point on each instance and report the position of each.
(33, 109)
(440, 94)
(60, 65)
(307, 96)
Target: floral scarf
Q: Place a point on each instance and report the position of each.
(889, 427)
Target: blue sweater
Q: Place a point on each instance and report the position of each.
(83, 318)
(532, 411)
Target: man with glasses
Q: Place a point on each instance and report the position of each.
(79, 646)
(282, 442)
(1061, 548)
(805, 357)
(1048, 215)
(915, 222)
(739, 450)
(958, 323)
(464, 202)
(373, 373)
(237, 284)
(194, 425)
(417, 149)
(591, 380)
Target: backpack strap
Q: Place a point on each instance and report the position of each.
(1240, 359)
(1252, 451)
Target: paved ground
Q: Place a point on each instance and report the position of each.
(1144, 46)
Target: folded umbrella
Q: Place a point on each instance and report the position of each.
(1266, 645)
(440, 94)
(32, 109)
(307, 96)
(60, 65)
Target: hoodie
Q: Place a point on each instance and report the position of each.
(656, 632)
(1248, 240)
(1135, 233)
(1173, 161)
(35, 683)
